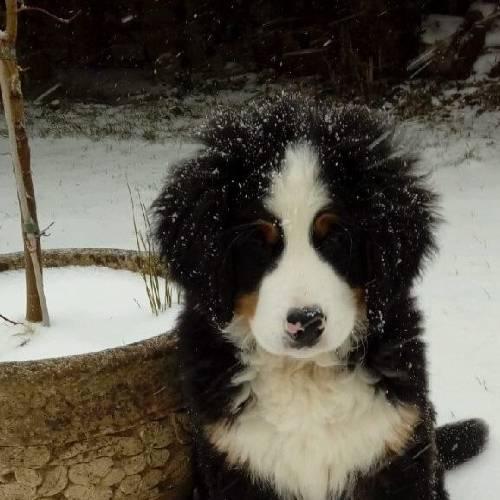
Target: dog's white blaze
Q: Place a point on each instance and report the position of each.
(309, 429)
(301, 277)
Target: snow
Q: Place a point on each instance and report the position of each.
(486, 8)
(491, 52)
(461, 290)
(81, 186)
(492, 38)
(485, 63)
(437, 27)
(82, 320)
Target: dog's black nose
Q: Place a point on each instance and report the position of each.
(304, 326)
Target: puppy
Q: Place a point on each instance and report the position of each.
(296, 234)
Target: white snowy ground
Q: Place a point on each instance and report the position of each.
(81, 185)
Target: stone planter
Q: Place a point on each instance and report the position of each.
(100, 426)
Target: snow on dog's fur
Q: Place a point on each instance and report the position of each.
(297, 233)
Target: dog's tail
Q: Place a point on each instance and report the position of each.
(460, 441)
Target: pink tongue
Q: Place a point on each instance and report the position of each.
(293, 328)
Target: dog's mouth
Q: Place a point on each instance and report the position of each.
(317, 355)
(240, 333)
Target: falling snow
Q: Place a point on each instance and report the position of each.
(82, 187)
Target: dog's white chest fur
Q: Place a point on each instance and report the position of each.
(308, 429)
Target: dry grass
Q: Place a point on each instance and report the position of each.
(158, 287)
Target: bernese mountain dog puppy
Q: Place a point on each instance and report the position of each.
(296, 234)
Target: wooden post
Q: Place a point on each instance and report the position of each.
(12, 97)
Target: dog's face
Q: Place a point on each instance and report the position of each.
(301, 300)
(299, 222)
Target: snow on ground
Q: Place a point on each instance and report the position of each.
(460, 292)
(492, 38)
(119, 314)
(437, 27)
(486, 8)
(485, 63)
(81, 186)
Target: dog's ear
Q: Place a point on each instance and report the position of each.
(189, 221)
(390, 200)
(401, 234)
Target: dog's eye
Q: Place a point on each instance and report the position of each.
(268, 231)
(324, 224)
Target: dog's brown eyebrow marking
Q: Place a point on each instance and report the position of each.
(324, 223)
(269, 230)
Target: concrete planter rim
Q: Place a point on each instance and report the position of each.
(112, 258)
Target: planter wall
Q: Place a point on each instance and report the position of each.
(100, 426)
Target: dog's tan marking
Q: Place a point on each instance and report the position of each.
(359, 295)
(269, 231)
(403, 432)
(323, 224)
(246, 305)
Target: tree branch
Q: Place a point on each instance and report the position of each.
(9, 320)
(44, 232)
(24, 8)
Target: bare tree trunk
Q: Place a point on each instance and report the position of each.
(12, 97)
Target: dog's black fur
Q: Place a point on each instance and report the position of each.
(202, 219)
